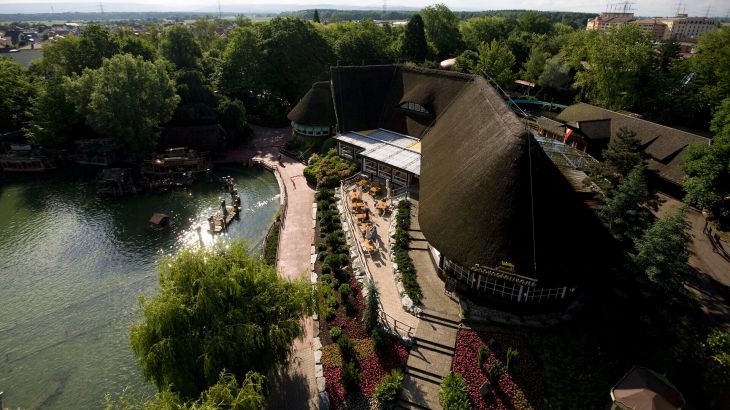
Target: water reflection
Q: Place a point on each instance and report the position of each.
(72, 266)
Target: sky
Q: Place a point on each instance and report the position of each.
(719, 8)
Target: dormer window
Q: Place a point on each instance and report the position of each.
(415, 107)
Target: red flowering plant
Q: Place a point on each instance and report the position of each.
(519, 387)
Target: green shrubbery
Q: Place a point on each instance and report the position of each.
(387, 390)
(272, 243)
(327, 171)
(453, 394)
(401, 239)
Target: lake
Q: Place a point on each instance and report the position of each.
(72, 266)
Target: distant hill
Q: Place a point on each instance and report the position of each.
(574, 19)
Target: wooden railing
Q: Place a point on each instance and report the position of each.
(393, 324)
(283, 199)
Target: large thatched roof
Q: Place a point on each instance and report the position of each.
(369, 97)
(475, 187)
(664, 145)
(475, 197)
(315, 108)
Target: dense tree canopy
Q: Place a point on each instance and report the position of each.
(359, 43)
(294, 56)
(179, 46)
(708, 169)
(663, 250)
(497, 62)
(17, 91)
(442, 30)
(217, 309)
(95, 44)
(238, 74)
(127, 98)
(478, 30)
(616, 61)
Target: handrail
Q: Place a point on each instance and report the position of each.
(283, 199)
(383, 314)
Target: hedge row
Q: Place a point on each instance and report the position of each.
(404, 261)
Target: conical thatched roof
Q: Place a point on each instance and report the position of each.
(315, 108)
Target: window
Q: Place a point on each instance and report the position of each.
(384, 171)
(415, 107)
(400, 176)
(370, 166)
(347, 151)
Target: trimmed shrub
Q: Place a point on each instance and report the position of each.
(350, 309)
(454, 393)
(321, 247)
(388, 388)
(324, 194)
(347, 348)
(482, 355)
(322, 255)
(378, 338)
(512, 355)
(372, 304)
(495, 372)
(310, 174)
(335, 332)
(345, 290)
(350, 376)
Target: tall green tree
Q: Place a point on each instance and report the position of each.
(534, 22)
(467, 62)
(623, 154)
(127, 98)
(554, 74)
(315, 18)
(204, 31)
(238, 74)
(136, 45)
(442, 30)
(624, 208)
(484, 29)
(663, 251)
(217, 309)
(535, 65)
(54, 119)
(198, 100)
(415, 46)
(179, 46)
(295, 55)
(360, 43)
(17, 91)
(95, 44)
(707, 184)
(616, 61)
(497, 62)
(711, 66)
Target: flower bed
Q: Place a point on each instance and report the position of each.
(519, 388)
(344, 309)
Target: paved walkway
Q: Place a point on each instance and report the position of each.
(295, 387)
(712, 286)
(430, 358)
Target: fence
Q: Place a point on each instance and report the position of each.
(283, 196)
(504, 289)
(564, 155)
(393, 324)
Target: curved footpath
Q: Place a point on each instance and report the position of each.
(295, 387)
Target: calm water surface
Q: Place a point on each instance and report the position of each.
(72, 266)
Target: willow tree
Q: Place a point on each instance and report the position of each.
(217, 309)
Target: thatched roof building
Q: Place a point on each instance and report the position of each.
(488, 193)
(665, 145)
(314, 114)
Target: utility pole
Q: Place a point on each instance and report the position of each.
(101, 10)
(219, 9)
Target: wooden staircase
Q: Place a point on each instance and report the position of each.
(429, 361)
